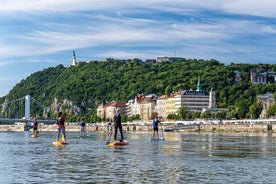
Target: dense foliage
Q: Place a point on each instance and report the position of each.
(91, 83)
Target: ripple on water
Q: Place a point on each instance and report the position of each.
(181, 158)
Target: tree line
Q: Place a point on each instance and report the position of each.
(89, 84)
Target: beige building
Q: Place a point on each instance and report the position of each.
(212, 100)
(107, 111)
(101, 111)
(266, 100)
(170, 104)
(147, 107)
(161, 107)
(133, 106)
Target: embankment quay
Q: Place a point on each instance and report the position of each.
(251, 128)
(258, 125)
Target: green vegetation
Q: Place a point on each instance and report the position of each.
(78, 90)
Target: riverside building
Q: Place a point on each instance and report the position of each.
(194, 100)
(266, 100)
(106, 111)
(147, 106)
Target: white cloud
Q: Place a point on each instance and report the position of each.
(264, 8)
(60, 5)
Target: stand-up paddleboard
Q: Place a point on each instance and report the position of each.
(157, 138)
(60, 143)
(118, 143)
(34, 136)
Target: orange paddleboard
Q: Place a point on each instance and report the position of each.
(118, 143)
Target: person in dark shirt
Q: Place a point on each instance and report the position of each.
(35, 126)
(61, 127)
(82, 128)
(155, 124)
(118, 124)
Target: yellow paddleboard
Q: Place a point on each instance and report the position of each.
(60, 143)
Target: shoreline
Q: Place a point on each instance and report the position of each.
(253, 128)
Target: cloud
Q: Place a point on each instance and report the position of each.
(265, 8)
(48, 29)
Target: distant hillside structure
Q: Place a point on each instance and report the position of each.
(272, 76)
(168, 59)
(238, 76)
(74, 62)
(258, 77)
(262, 77)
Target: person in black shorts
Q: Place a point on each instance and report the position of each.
(118, 125)
(155, 124)
(35, 126)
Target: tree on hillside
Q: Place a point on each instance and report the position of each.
(206, 115)
(271, 111)
(255, 110)
(221, 114)
(184, 113)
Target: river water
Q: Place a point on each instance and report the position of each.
(180, 158)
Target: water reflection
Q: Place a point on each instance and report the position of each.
(154, 147)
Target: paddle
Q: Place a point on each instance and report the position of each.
(162, 130)
(85, 132)
(109, 138)
(62, 137)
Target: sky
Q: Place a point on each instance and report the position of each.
(37, 34)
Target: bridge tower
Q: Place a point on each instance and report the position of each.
(27, 107)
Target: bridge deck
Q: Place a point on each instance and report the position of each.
(8, 121)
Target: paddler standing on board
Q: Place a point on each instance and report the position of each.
(61, 127)
(35, 126)
(118, 124)
(155, 124)
(82, 127)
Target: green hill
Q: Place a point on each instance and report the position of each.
(78, 90)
